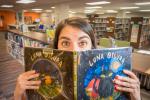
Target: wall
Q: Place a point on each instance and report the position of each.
(34, 15)
(9, 18)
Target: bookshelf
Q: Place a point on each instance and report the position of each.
(16, 42)
(122, 28)
(145, 32)
(100, 26)
(139, 32)
(117, 28)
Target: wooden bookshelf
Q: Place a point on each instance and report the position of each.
(122, 28)
(17, 40)
(117, 28)
(139, 32)
(100, 26)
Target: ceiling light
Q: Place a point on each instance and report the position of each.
(144, 10)
(25, 10)
(53, 7)
(98, 3)
(48, 10)
(94, 7)
(89, 11)
(7, 6)
(143, 3)
(37, 9)
(129, 7)
(100, 13)
(25, 1)
(111, 11)
(71, 12)
(127, 12)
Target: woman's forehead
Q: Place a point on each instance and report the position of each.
(69, 31)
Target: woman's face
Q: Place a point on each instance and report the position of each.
(73, 39)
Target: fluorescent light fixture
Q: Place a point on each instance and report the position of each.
(142, 3)
(53, 7)
(37, 9)
(100, 13)
(71, 12)
(129, 7)
(48, 10)
(111, 11)
(98, 3)
(92, 10)
(145, 10)
(25, 10)
(94, 7)
(25, 1)
(7, 6)
(89, 11)
(127, 12)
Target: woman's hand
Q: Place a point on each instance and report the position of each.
(24, 82)
(129, 84)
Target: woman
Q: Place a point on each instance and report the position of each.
(75, 34)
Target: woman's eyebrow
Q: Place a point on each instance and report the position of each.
(84, 37)
(63, 37)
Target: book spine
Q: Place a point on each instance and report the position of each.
(75, 65)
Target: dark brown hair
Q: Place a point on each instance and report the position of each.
(78, 23)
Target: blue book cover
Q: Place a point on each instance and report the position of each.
(97, 70)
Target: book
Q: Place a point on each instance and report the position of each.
(77, 75)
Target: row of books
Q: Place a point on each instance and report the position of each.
(16, 44)
(144, 79)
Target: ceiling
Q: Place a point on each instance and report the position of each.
(75, 5)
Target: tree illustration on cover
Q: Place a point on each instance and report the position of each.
(51, 78)
(98, 81)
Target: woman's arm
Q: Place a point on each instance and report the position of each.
(24, 82)
(129, 84)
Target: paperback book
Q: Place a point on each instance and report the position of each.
(82, 75)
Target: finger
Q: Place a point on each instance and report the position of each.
(32, 76)
(131, 74)
(127, 79)
(28, 73)
(31, 83)
(125, 84)
(32, 87)
(125, 89)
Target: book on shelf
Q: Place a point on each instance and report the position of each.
(82, 75)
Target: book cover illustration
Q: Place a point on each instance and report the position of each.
(97, 70)
(55, 73)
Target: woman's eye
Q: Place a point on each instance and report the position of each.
(65, 44)
(83, 44)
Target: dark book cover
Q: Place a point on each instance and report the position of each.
(84, 75)
(55, 68)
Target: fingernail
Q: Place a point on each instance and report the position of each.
(116, 87)
(117, 77)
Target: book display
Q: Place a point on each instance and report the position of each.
(82, 75)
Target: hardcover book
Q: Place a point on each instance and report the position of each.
(82, 75)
